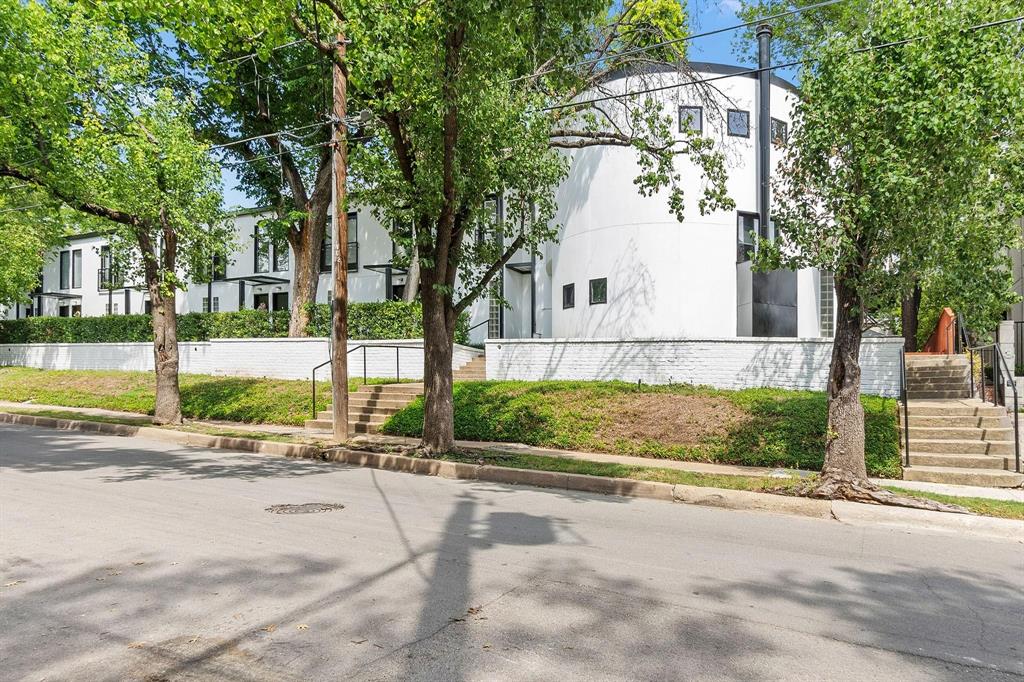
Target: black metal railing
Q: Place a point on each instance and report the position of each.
(398, 363)
(109, 278)
(906, 409)
(1018, 348)
(992, 378)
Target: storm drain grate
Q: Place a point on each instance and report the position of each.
(311, 508)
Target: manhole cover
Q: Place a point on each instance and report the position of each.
(311, 508)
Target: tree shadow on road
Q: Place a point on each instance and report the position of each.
(46, 451)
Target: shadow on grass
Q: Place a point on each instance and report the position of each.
(782, 429)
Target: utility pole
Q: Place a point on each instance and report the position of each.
(764, 130)
(339, 320)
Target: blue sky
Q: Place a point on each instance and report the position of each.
(705, 15)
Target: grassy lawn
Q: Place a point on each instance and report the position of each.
(239, 399)
(754, 427)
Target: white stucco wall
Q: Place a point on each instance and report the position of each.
(721, 363)
(274, 358)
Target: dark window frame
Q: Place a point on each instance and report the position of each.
(590, 289)
(219, 266)
(728, 122)
(744, 248)
(275, 296)
(700, 118)
(775, 124)
(76, 268)
(570, 300)
(257, 240)
(64, 273)
(327, 258)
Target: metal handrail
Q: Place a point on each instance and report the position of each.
(398, 367)
(999, 366)
(906, 408)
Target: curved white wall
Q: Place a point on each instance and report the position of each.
(665, 278)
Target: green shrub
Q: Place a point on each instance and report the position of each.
(381, 320)
(377, 320)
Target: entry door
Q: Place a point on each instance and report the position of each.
(281, 300)
(261, 301)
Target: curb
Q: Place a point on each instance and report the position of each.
(850, 513)
(165, 435)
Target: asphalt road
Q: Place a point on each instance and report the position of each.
(130, 559)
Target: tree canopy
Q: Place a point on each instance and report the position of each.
(906, 150)
(82, 121)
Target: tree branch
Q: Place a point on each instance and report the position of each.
(486, 278)
(91, 208)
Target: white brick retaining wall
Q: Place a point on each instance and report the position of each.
(274, 358)
(721, 363)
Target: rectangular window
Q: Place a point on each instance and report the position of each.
(738, 122)
(487, 225)
(747, 227)
(568, 296)
(494, 321)
(692, 119)
(598, 291)
(280, 300)
(780, 132)
(281, 261)
(76, 269)
(326, 248)
(261, 302)
(827, 304)
(216, 304)
(262, 247)
(353, 242)
(65, 271)
(206, 304)
(64, 311)
(220, 267)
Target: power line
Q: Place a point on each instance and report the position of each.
(666, 43)
(273, 134)
(242, 162)
(22, 208)
(757, 70)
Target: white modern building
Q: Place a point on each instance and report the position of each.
(622, 267)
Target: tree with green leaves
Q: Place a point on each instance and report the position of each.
(473, 100)
(930, 282)
(81, 121)
(29, 229)
(917, 115)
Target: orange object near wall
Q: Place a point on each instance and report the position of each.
(942, 340)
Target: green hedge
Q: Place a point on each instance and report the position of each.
(379, 320)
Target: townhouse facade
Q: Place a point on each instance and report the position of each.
(622, 267)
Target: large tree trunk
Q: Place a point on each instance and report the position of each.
(412, 278)
(844, 444)
(305, 245)
(165, 355)
(910, 316)
(438, 408)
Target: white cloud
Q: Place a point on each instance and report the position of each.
(733, 6)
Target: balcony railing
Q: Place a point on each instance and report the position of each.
(109, 278)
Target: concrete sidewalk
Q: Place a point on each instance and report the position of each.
(487, 447)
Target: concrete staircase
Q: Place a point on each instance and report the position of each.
(371, 405)
(953, 438)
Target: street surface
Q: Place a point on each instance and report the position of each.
(127, 559)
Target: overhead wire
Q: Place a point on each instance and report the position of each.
(758, 70)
